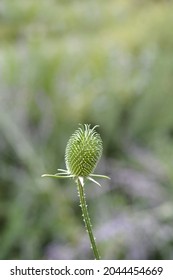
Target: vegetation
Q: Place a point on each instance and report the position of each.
(83, 152)
(69, 62)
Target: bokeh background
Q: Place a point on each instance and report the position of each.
(100, 62)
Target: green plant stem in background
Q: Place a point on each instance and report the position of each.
(86, 218)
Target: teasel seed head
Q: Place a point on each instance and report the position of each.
(82, 154)
(83, 151)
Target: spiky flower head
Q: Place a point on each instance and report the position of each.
(83, 151)
(82, 154)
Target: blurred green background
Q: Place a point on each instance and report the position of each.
(100, 62)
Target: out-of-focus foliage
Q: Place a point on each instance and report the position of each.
(100, 62)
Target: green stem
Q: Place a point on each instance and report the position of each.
(86, 218)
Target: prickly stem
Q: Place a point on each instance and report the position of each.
(86, 218)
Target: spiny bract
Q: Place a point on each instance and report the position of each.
(83, 151)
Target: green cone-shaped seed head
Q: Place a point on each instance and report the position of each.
(83, 151)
